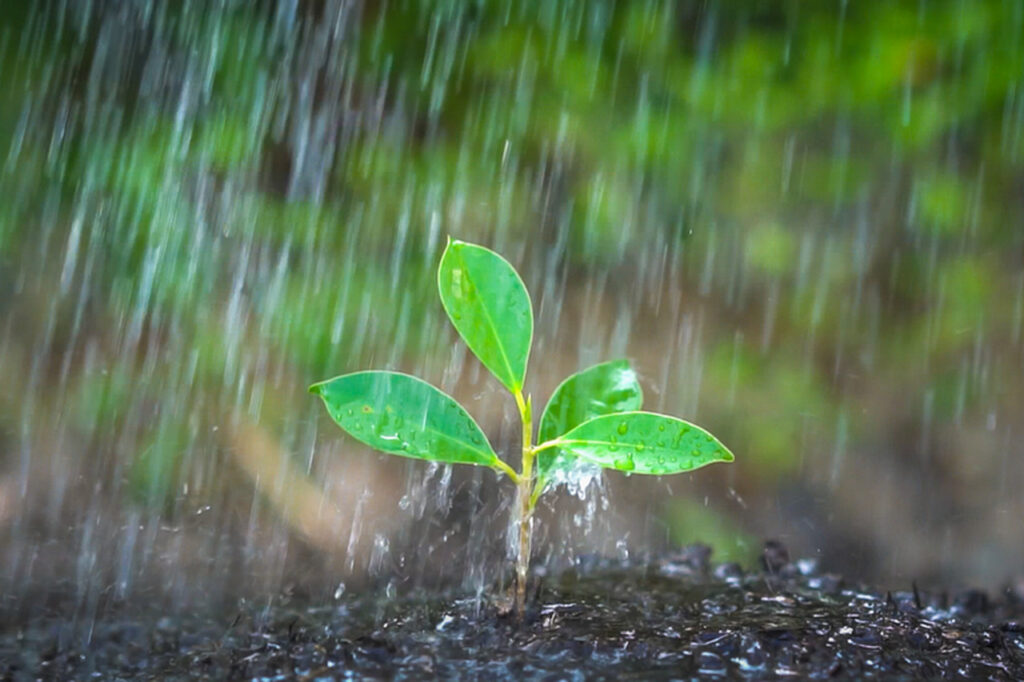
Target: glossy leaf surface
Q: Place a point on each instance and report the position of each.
(606, 388)
(489, 306)
(644, 443)
(402, 415)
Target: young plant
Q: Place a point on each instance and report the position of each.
(593, 416)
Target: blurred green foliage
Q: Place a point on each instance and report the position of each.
(692, 519)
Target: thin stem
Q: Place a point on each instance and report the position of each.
(526, 502)
(538, 489)
(539, 484)
(547, 445)
(507, 470)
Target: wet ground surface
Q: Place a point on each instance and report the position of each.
(681, 617)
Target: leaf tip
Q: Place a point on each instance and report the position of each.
(317, 388)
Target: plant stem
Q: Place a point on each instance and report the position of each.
(526, 502)
(507, 470)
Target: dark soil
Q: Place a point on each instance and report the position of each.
(682, 617)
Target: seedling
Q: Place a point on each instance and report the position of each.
(593, 416)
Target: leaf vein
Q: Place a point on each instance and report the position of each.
(490, 323)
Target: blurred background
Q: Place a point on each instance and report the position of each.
(802, 222)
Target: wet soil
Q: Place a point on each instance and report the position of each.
(681, 617)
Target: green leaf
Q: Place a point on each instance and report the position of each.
(488, 304)
(644, 443)
(607, 388)
(402, 415)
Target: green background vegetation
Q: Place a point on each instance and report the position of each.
(206, 206)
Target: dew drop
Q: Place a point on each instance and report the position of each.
(623, 427)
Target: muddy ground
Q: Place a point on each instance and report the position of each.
(682, 616)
